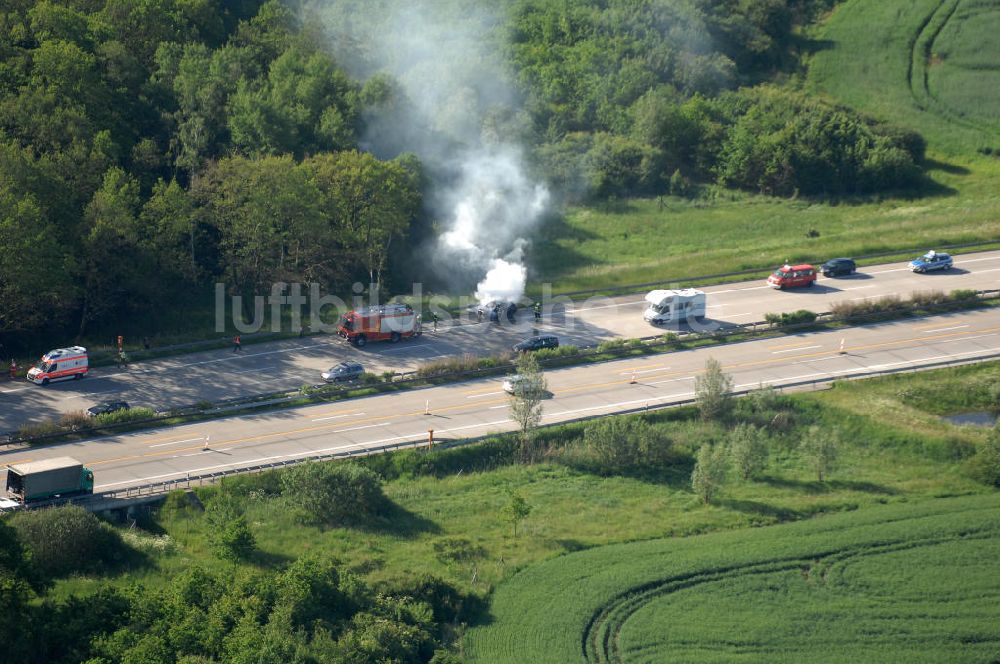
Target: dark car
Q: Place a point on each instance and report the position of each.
(537, 343)
(838, 266)
(343, 371)
(106, 407)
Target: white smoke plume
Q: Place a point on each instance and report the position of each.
(456, 108)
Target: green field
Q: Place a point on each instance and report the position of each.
(932, 65)
(929, 65)
(897, 583)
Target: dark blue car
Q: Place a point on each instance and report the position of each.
(932, 260)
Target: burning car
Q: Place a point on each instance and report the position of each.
(495, 309)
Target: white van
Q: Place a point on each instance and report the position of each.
(60, 364)
(674, 306)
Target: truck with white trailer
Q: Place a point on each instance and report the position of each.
(49, 478)
(674, 306)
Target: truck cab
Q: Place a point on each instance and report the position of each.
(674, 306)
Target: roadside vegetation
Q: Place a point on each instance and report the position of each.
(474, 517)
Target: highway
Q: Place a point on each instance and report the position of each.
(284, 365)
(478, 407)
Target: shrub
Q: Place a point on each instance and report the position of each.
(553, 353)
(927, 298)
(985, 465)
(963, 295)
(748, 447)
(611, 345)
(75, 421)
(802, 316)
(623, 444)
(124, 416)
(68, 540)
(332, 493)
(866, 309)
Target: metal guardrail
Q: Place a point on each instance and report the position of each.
(412, 377)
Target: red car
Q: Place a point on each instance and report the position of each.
(791, 276)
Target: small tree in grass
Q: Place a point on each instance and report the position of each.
(713, 390)
(985, 465)
(516, 510)
(229, 531)
(709, 471)
(748, 448)
(526, 402)
(821, 449)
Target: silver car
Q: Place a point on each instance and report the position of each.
(518, 384)
(343, 372)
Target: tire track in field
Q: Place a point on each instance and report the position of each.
(921, 49)
(600, 638)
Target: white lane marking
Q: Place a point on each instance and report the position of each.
(736, 290)
(992, 269)
(181, 456)
(629, 373)
(367, 426)
(335, 417)
(229, 357)
(897, 269)
(670, 380)
(20, 389)
(606, 306)
(500, 406)
(402, 348)
(858, 287)
(485, 394)
(792, 350)
(178, 442)
(86, 394)
(945, 329)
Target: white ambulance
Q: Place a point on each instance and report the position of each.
(60, 364)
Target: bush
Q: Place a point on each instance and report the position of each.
(623, 444)
(800, 317)
(963, 295)
(69, 540)
(611, 345)
(75, 421)
(985, 465)
(866, 309)
(927, 298)
(123, 416)
(333, 493)
(552, 353)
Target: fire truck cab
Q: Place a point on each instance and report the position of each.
(60, 364)
(387, 322)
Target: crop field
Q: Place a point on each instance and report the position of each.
(904, 582)
(934, 63)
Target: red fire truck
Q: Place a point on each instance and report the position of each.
(387, 322)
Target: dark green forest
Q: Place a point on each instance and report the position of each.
(149, 148)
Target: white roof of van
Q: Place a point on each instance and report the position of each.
(657, 296)
(61, 352)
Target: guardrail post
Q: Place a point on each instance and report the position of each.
(430, 438)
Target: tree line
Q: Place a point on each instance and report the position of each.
(151, 147)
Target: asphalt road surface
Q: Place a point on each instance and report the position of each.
(220, 374)
(479, 407)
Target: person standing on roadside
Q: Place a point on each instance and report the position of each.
(237, 344)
